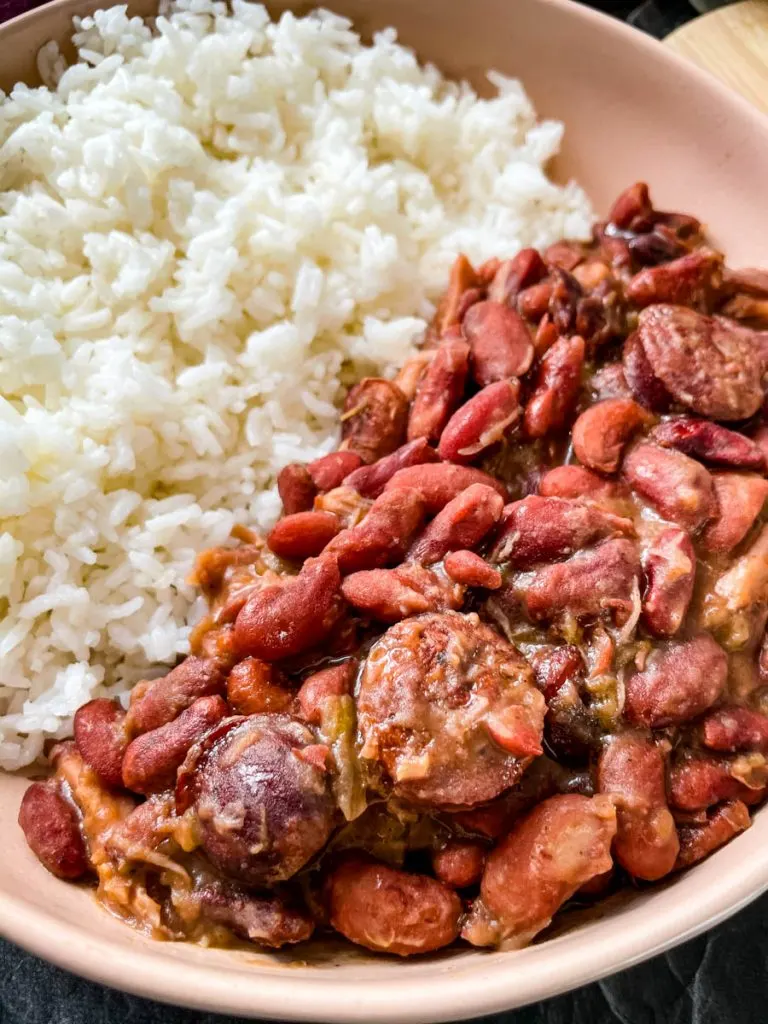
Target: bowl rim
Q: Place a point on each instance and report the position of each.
(473, 990)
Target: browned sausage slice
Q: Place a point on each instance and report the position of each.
(449, 710)
(705, 362)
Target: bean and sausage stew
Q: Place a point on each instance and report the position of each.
(506, 647)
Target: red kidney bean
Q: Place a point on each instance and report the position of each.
(709, 442)
(557, 387)
(533, 302)
(577, 482)
(590, 583)
(261, 798)
(329, 471)
(463, 523)
(285, 620)
(370, 481)
(440, 391)
(441, 703)
(375, 418)
(634, 204)
(385, 534)
(303, 535)
(641, 380)
(669, 567)
(631, 770)
(567, 294)
(500, 342)
(157, 702)
(601, 433)
(335, 681)
(512, 276)
(677, 487)
(679, 681)
(52, 830)
(389, 595)
(481, 422)
(553, 667)
(296, 488)
(391, 911)
(546, 336)
(471, 570)
(100, 735)
(706, 363)
(266, 920)
(152, 759)
(538, 529)
(733, 728)
(548, 855)
(564, 254)
(698, 841)
(744, 584)
(462, 278)
(459, 863)
(690, 280)
(700, 782)
(440, 483)
(740, 498)
(255, 687)
(469, 299)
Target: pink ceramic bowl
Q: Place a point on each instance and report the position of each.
(632, 111)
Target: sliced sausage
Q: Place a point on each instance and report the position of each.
(262, 806)
(706, 364)
(449, 710)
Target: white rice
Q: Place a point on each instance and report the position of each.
(207, 228)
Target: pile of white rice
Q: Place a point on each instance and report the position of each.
(208, 226)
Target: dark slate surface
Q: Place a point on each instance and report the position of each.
(719, 978)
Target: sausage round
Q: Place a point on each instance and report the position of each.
(449, 710)
(262, 804)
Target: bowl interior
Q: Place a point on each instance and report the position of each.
(632, 112)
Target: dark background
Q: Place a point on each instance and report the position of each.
(719, 978)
